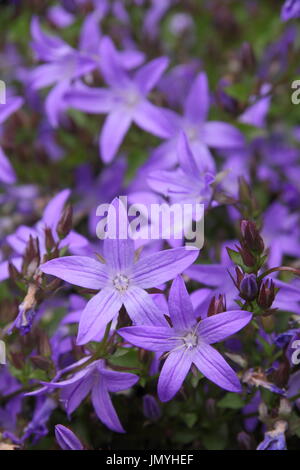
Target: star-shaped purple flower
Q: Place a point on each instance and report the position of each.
(99, 381)
(125, 101)
(188, 342)
(121, 280)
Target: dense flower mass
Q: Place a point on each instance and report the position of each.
(150, 225)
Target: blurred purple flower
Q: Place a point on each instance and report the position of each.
(125, 101)
(96, 379)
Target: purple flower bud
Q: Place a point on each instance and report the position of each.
(244, 440)
(64, 226)
(251, 237)
(217, 305)
(247, 56)
(266, 294)
(66, 439)
(151, 408)
(248, 287)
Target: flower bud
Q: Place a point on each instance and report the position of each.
(244, 440)
(151, 408)
(266, 294)
(31, 259)
(64, 225)
(248, 287)
(251, 237)
(66, 439)
(49, 240)
(248, 259)
(217, 305)
(247, 56)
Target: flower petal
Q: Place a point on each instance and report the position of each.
(90, 100)
(141, 308)
(152, 338)
(118, 381)
(54, 208)
(222, 135)
(173, 373)
(98, 312)
(207, 274)
(198, 100)
(211, 364)
(218, 327)
(79, 270)
(113, 132)
(180, 306)
(149, 74)
(7, 173)
(118, 248)
(104, 407)
(160, 267)
(153, 119)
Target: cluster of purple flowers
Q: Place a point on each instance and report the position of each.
(92, 325)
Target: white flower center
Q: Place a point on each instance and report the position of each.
(121, 282)
(192, 133)
(190, 341)
(132, 98)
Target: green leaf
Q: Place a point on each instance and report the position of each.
(190, 419)
(232, 401)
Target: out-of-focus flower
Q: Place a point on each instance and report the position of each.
(125, 101)
(151, 408)
(274, 440)
(290, 9)
(98, 380)
(7, 174)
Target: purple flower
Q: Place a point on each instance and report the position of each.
(37, 426)
(201, 134)
(96, 379)
(189, 183)
(151, 408)
(125, 100)
(66, 438)
(188, 342)
(7, 174)
(122, 280)
(290, 9)
(65, 64)
(274, 440)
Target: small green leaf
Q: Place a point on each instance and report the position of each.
(232, 401)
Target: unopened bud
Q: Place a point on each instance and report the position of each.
(244, 440)
(14, 273)
(64, 226)
(49, 240)
(247, 56)
(251, 237)
(247, 257)
(31, 258)
(43, 346)
(217, 305)
(151, 408)
(248, 287)
(266, 294)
